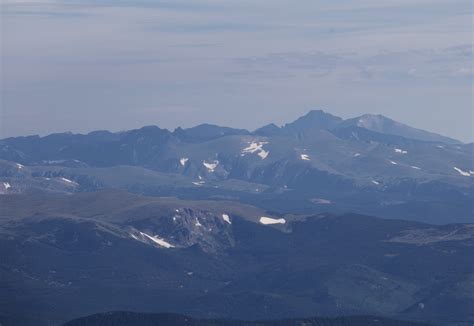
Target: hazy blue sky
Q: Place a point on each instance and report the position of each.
(82, 65)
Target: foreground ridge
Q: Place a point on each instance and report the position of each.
(121, 318)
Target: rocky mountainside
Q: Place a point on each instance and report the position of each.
(318, 163)
(67, 256)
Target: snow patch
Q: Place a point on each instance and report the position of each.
(68, 181)
(415, 167)
(268, 220)
(198, 183)
(400, 151)
(256, 147)
(183, 161)
(158, 241)
(197, 223)
(226, 218)
(463, 173)
(394, 163)
(263, 154)
(7, 185)
(305, 157)
(211, 167)
(321, 201)
(18, 165)
(356, 154)
(375, 182)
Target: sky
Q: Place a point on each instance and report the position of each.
(83, 65)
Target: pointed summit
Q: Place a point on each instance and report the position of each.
(313, 120)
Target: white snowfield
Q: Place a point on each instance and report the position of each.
(263, 154)
(157, 240)
(226, 218)
(415, 167)
(393, 162)
(321, 201)
(211, 167)
(305, 157)
(256, 147)
(68, 181)
(400, 151)
(18, 165)
(7, 185)
(356, 154)
(199, 183)
(183, 161)
(375, 182)
(268, 220)
(464, 173)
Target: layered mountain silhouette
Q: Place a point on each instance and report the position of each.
(224, 224)
(318, 163)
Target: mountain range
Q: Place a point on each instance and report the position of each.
(319, 217)
(318, 163)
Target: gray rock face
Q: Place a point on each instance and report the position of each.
(187, 227)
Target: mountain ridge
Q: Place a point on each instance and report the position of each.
(120, 318)
(313, 120)
(74, 255)
(319, 162)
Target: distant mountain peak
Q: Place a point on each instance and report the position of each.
(319, 114)
(385, 125)
(314, 120)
